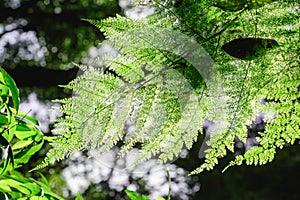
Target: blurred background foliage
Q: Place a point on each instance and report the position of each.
(50, 35)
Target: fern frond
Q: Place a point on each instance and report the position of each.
(151, 97)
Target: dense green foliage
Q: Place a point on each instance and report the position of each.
(262, 77)
(20, 139)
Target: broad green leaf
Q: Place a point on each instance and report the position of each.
(78, 197)
(46, 189)
(12, 128)
(145, 197)
(22, 126)
(42, 185)
(17, 176)
(37, 198)
(23, 156)
(39, 136)
(25, 134)
(3, 119)
(24, 131)
(35, 148)
(12, 86)
(4, 187)
(134, 196)
(15, 184)
(21, 144)
(4, 91)
(30, 118)
(34, 188)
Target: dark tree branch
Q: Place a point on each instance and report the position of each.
(8, 31)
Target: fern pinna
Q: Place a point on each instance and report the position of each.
(166, 99)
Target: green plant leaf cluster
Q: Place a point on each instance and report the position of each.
(20, 139)
(267, 81)
(134, 196)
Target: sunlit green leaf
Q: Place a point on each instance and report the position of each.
(78, 197)
(21, 144)
(47, 190)
(134, 196)
(12, 86)
(25, 134)
(34, 188)
(30, 118)
(14, 184)
(23, 156)
(4, 187)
